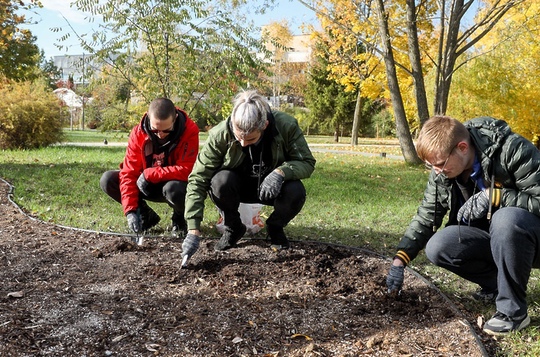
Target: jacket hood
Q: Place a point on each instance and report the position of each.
(489, 134)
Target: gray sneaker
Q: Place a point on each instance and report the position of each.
(501, 325)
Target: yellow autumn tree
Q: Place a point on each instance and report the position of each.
(356, 59)
(502, 78)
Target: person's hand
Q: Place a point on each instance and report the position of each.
(271, 186)
(475, 207)
(142, 184)
(394, 279)
(189, 247)
(134, 222)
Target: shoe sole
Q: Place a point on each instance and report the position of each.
(526, 321)
(278, 247)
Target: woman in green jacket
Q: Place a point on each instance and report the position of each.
(488, 179)
(255, 156)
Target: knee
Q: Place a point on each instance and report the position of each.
(222, 182)
(433, 251)
(437, 247)
(175, 191)
(294, 191)
(509, 226)
(108, 179)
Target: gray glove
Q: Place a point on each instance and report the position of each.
(474, 208)
(189, 246)
(394, 280)
(271, 186)
(134, 222)
(142, 184)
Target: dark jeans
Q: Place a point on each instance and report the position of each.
(228, 189)
(172, 192)
(501, 258)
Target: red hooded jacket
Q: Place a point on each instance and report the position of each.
(181, 153)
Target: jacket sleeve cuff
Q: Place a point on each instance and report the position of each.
(401, 255)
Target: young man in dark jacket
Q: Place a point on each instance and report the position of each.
(160, 155)
(255, 156)
(488, 179)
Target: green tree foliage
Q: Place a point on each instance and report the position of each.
(331, 109)
(19, 55)
(195, 52)
(50, 72)
(31, 116)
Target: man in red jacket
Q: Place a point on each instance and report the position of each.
(161, 152)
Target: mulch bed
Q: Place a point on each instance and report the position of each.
(77, 293)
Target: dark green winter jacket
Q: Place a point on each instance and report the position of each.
(221, 151)
(508, 161)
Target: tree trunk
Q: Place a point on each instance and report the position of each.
(458, 40)
(402, 126)
(416, 64)
(357, 118)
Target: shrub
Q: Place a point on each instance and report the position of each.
(31, 116)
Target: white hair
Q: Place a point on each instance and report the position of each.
(249, 112)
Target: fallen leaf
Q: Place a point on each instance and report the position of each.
(16, 294)
(119, 338)
(299, 335)
(480, 321)
(152, 347)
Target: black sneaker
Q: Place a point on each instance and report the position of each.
(487, 297)
(278, 239)
(230, 237)
(149, 219)
(179, 226)
(501, 324)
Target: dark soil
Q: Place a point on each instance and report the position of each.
(75, 293)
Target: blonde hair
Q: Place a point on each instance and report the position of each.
(440, 134)
(250, 112)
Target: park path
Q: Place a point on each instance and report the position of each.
(320, 148)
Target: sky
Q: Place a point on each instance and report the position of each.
(55, 12)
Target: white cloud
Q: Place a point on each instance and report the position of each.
(63, 8)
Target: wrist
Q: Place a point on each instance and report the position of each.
(280, 171)
(195, 232)
(401, 258)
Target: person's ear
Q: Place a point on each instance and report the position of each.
(462, 146)
(266, 124)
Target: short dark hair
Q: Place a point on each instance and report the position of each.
(162, 109)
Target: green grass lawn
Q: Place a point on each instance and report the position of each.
(353, 200)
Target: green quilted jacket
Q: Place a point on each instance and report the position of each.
(508, 161)
(290, 153)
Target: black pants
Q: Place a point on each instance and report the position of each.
(172, 192)
(228, 189)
